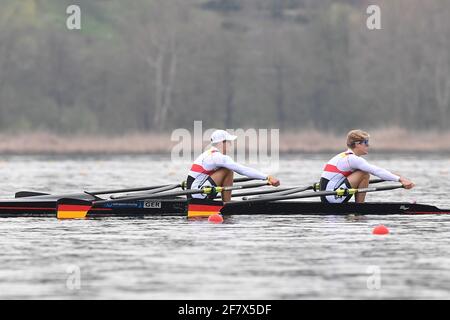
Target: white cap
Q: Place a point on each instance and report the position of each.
(221, 135)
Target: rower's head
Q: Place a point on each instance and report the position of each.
(358, 142)
(220, 139)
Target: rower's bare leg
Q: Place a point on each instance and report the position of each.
(359, 179)
(224, 178)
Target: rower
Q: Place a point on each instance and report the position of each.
(215, 168)
(349, 170)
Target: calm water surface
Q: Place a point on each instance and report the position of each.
(247, 257)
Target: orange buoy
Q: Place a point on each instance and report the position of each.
(215, 218)
(379, 230)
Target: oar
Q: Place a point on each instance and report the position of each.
(265, 191)
(205, 190)
(315, 187)
(286, 192)
(170, 186)
(152, 191)
(68, 208)
(243, 179)
(175, 186)
(182, 185)
(22, 194)
(338, 192)
(207, 209)
(25, 194)
(163, 188)
(281, 191)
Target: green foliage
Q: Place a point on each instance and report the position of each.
(154, 64)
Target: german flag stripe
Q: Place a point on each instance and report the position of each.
(70, 211)
(203, 210)
(72, 214)
(201, 213)
(71, 207)
(204, 207)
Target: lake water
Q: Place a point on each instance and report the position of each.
(246, 257)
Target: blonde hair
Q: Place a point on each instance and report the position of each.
(356, 136)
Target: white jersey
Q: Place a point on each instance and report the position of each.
(337, 170)
(212, 160)
(345, 163)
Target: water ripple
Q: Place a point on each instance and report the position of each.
(247, 257)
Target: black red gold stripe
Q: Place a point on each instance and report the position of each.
(70, 211)
(203, 210)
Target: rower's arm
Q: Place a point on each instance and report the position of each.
(226, 162)
(361, 164)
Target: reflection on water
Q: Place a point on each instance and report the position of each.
(247, 257)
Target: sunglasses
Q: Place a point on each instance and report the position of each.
(366, 142)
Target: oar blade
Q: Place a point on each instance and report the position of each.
(203, 208)
(68, 208)
(25, 194)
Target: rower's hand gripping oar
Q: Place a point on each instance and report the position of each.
(68, 208)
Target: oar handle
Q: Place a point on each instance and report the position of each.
(374, 181)
(385, 188)
(243, 179)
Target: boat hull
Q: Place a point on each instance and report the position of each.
(318, 208)
(46, 207)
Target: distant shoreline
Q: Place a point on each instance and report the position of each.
(387, 140)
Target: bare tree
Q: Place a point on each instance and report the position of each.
(6, 40)
(154, 38)
(229, 64)
(440, 28)
(164, 63)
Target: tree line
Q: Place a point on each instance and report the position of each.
(157, 65)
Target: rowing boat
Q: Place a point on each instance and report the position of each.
(46, 206)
